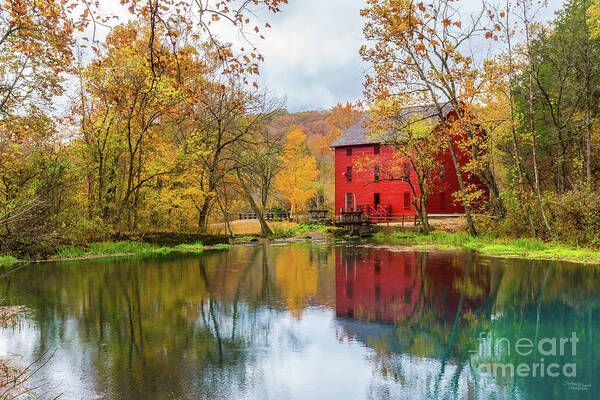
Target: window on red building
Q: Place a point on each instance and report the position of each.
(407, 200)
(406, 170)
(377, 173)
(348, 201)
(349, 174)
(349, 152)
(376, 149)
(443, 172)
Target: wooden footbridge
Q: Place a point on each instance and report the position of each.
(360, 220)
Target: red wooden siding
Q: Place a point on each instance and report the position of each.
(390, 192)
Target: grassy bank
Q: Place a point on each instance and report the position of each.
(7, 260)
(144, 246)
(298, 230)
(293, 231)
(506, 247)
(128, 249)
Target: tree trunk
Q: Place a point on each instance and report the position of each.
(422, 212)
(521, 175)
(533, 142)
(423, 217)
(227, 225)
(203, 214)
(562, 163)
(461, 184)
(264, 227)
(487, 176)
(524, 201)
(588, 148)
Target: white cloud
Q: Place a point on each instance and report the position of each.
(312, 53)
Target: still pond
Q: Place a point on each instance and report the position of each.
(309, 321)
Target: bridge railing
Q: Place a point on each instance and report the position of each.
(270, 216)
(318, 215)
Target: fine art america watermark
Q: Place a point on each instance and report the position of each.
(546, 353)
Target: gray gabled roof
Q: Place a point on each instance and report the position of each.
(359, 133)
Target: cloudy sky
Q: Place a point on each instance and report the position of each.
(312, 52)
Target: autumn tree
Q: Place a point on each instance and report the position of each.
(123, 125)
(298, 173)
(36, 39)
(224, 119)
(417, 140)
(201, 20)
(566, 77)
(257, 160)
(499, 112)
(418, 58)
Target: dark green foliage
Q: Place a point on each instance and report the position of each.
(566, 85)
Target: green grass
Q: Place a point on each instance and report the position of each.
(244, 239)
(137, 249)
(7, 261)
(508, 247)
(299, 230)
(193, 246)
(109, 248)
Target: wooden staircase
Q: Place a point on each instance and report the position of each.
(382, 213)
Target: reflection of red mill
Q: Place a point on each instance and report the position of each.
(393, 286)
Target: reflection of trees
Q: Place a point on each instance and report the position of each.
(433, 330)
(190, 326)
(156, 326)
(297, 279)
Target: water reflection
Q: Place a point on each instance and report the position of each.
(302, 321)
(448, 325)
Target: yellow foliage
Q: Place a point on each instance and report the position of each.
(296, 279)
(299, 171)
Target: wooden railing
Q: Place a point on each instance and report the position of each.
(318, 215)
(379, 214)
(383, 214)
(268, 216)
(353, 218)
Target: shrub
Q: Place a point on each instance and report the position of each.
(574, 217)
(577, 216)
